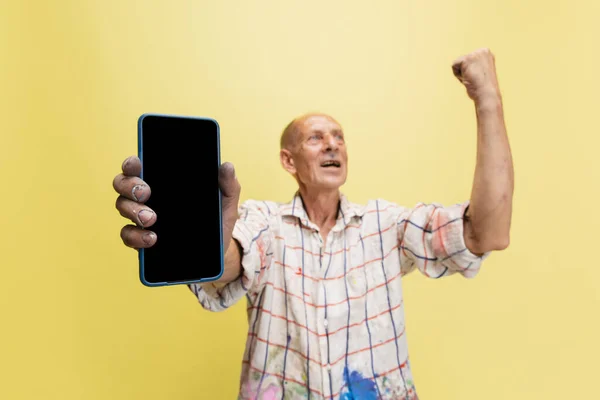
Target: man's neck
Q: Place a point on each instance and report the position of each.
(321, 207)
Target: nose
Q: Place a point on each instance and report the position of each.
(331, 143)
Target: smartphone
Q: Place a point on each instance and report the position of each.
(180, 158)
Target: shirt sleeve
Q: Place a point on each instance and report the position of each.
(431, 239)
(253, 232)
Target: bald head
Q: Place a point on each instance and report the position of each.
(289, 136)
(313, 151)
(292, 132)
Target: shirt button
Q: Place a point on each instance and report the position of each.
(328, 367)
(325, 323)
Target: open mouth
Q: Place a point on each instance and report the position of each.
(331, 164)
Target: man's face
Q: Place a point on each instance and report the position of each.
(318, 159)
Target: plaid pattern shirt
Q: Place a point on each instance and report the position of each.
(326, 318)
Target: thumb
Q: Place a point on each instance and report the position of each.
(230, 189)
(228, 183)
(457, 69)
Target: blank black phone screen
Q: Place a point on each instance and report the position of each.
(180, 162)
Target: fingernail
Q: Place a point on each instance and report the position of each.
(228, 167)
(138, 192)
(145, 216)
(149, 237)
(126, 162)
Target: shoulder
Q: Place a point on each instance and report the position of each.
(378, 211)
(266, 208)
(382, 210)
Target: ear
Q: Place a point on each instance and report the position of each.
(287, 161)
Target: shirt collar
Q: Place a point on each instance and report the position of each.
(347, 211)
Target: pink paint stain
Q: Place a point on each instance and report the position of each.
(272, 393)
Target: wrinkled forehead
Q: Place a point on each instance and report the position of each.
(320, 122)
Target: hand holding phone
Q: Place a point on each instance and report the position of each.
(179, 158)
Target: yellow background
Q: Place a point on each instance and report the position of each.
(76, 323)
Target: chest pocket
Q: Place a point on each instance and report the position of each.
(370, 269)
(298, 263)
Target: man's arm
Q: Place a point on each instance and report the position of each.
(488, 217)
(247, 239)
(233, 262)
(230, 190)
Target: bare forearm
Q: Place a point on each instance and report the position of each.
(487, 226)
(233, 262)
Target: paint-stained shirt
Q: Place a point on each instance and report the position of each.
(326, 317)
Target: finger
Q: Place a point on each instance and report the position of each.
(230, 187)
(132, 166)
(457, 69)
(137, 238)
(139, 214)
(132, 187)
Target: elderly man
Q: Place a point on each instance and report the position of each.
(322, 275)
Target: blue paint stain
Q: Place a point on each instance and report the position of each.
(358, 387)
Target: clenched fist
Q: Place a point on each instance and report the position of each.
(477, 71)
